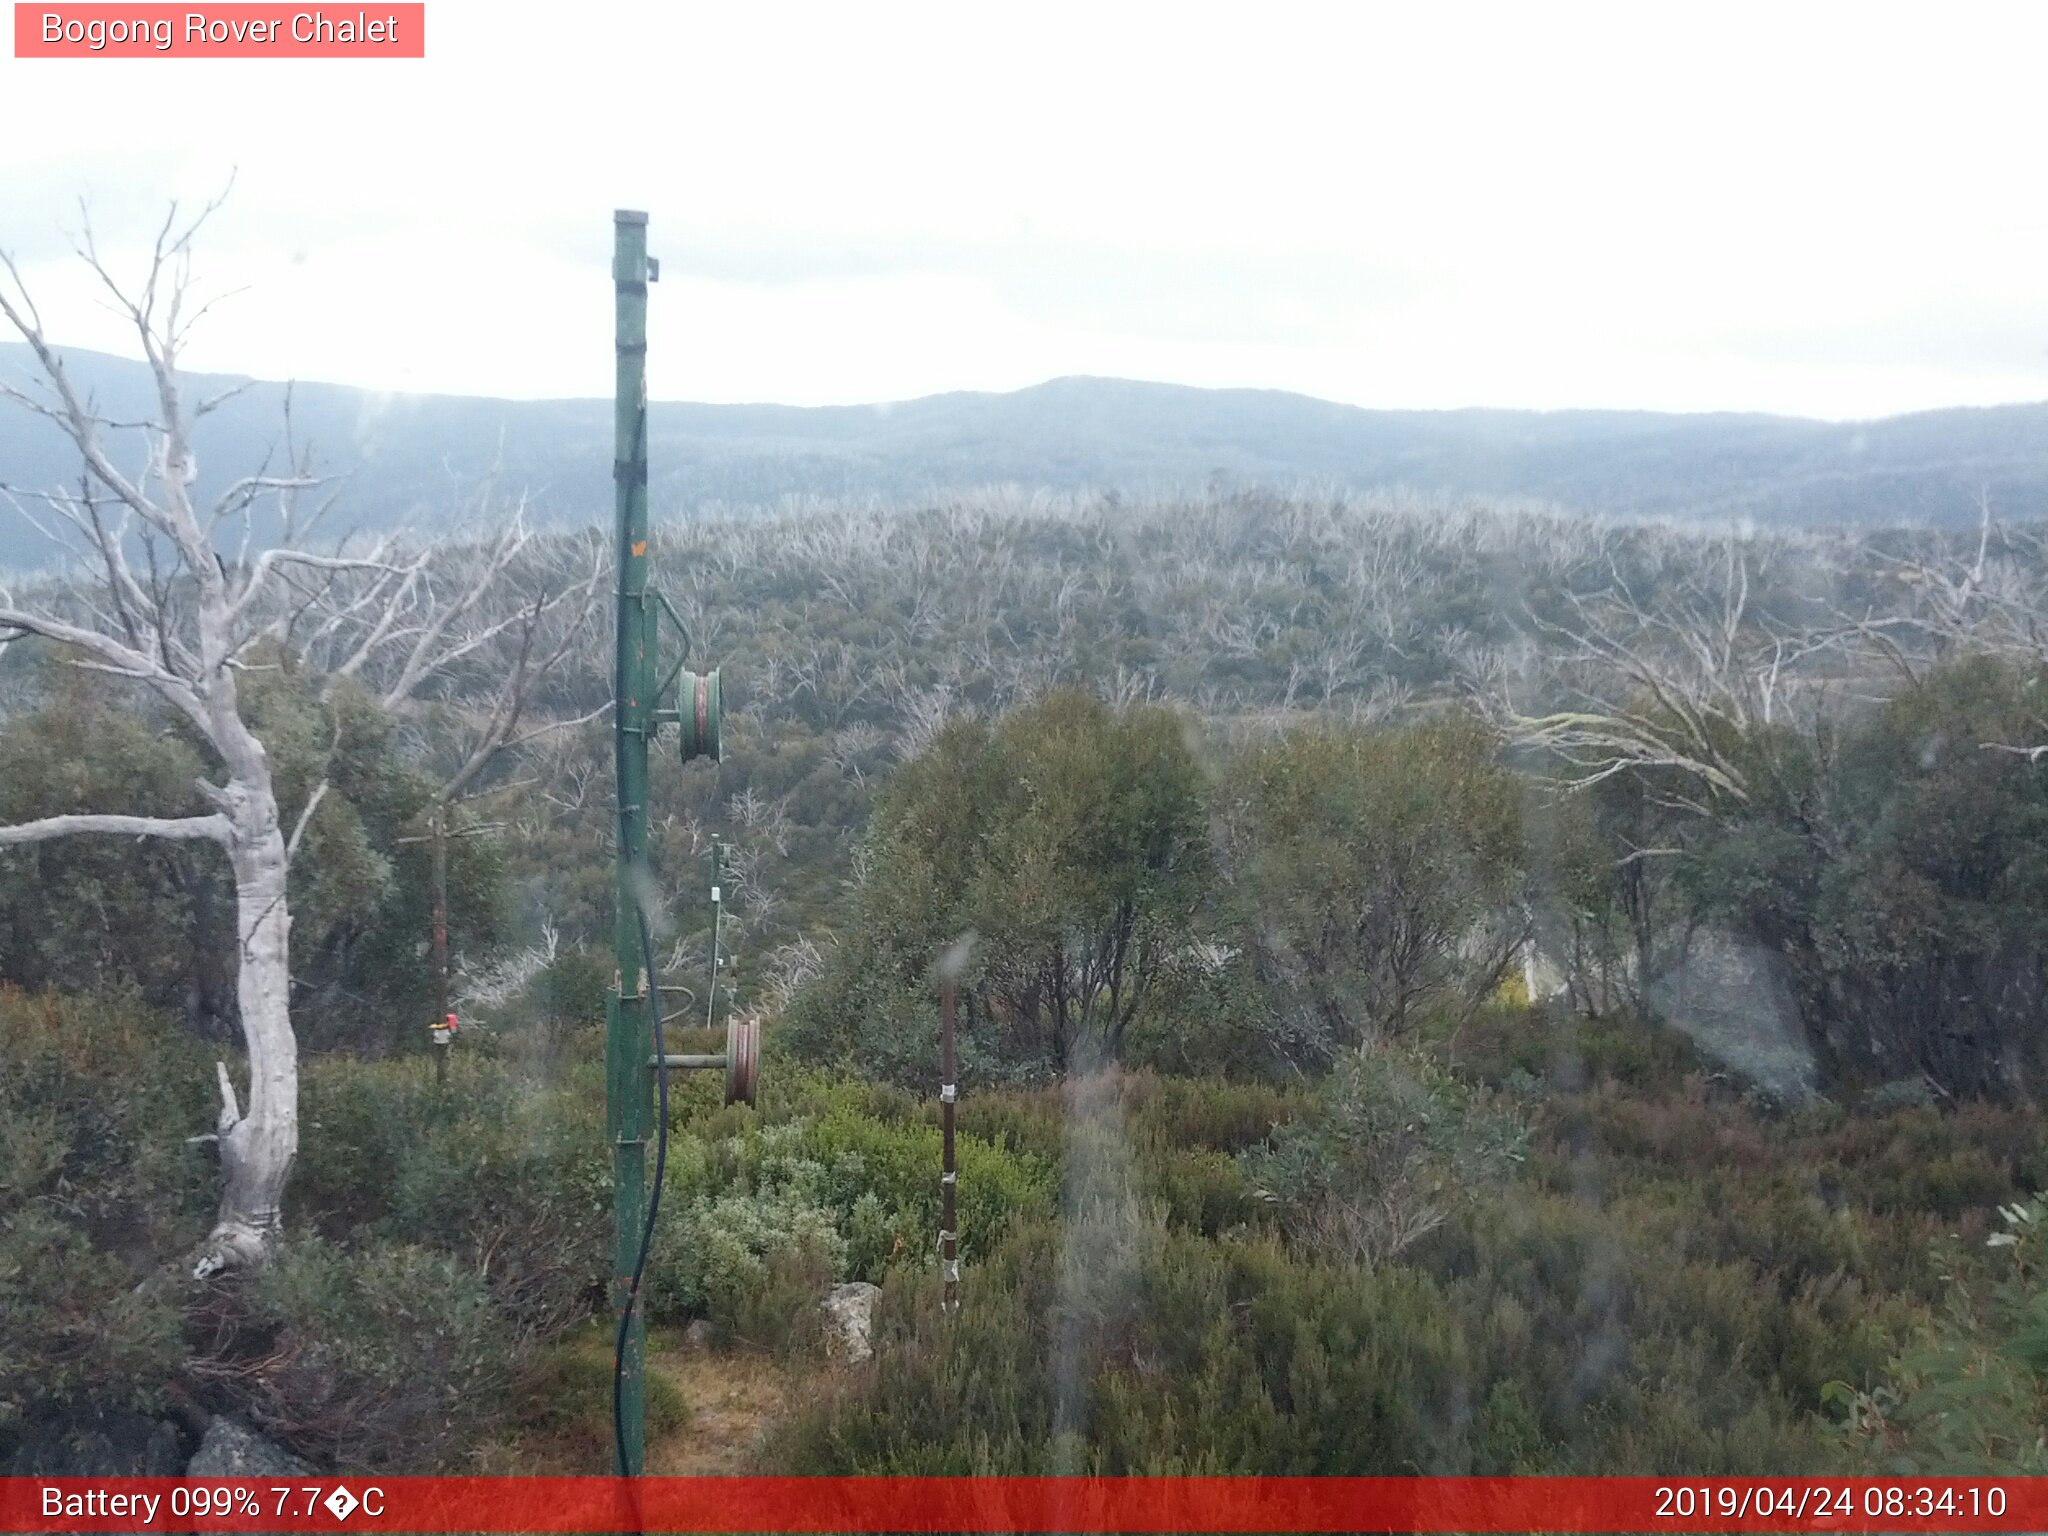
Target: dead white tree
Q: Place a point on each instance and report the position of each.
(1945, 600)
(1675, 683)
(154, 600)
(1681, 688)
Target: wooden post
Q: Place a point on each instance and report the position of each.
(444, 1042)
(949, 1176)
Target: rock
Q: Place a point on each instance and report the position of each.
(1735, 1001)
(850, 1319)
(699, 1334)
(1730, 997)
(232, 1449)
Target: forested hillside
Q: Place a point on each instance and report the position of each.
(414, 461)
(1453, 988)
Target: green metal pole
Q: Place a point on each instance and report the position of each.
(628, 1035)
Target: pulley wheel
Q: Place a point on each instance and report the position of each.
(701, 708)
(742, 1059)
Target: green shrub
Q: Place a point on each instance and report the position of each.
(899, 1165)
(1163, 1353)
(1894, 867)
(1372, 861)
(1396, 1146)
(503, 1171)
(1072, 839)
(1564, 1050)
(1969, 1395)
(842, 1195)
(780, 1311)
(103, 915)
(1201, 1188)
(99, 1187)
(99, 1097)
(561, 1011)
(359, 1123)
(565, 1386)
(1030, 1121)
(714, 1251)
(1210, 1112)
(516, 1188)
(75, 1333)
(381, 1358)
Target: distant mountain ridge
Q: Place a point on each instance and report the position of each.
(415, 458)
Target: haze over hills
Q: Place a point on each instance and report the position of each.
(415, 460)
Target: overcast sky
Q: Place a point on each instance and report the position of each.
(1826, 211)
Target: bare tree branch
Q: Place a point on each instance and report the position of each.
(182, 828)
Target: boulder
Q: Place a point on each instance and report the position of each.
(232, 1449)
(850, 1319)
(1736, 1002)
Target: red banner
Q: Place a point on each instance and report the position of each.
(225, 31)
(1024, 1504)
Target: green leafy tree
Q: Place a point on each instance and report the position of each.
(79, 746)
(1379, 873)
(363, 877)
(1899, 865)
(360, 879)
(1071, 840)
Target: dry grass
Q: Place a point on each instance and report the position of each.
(734, 1397)
(731, 1397)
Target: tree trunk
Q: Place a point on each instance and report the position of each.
(257, 1147)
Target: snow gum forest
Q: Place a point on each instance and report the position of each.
(1456, 986)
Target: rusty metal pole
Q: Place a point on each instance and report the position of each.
(717, 915)
(949, 1177)
(443, 1041)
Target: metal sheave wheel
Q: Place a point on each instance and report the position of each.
(702, 709)
(742, 1059)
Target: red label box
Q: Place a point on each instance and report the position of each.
(374, 30)
(1029, 1506)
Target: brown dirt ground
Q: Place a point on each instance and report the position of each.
(734, 1397)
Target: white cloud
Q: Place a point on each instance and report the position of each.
(1824, 209)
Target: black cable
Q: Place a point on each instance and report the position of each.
(654, 1200)
(654, 1007)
